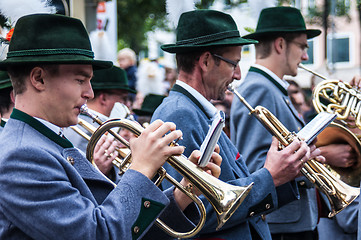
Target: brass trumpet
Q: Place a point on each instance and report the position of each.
(224, 198)
(339, 194)
(336, 96)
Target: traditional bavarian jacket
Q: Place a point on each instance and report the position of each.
(49, 190)
(190, 112)
(261, 87)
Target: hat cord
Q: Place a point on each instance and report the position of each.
(42, 52)
(210, 37)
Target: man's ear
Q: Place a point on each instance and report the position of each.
(279, 45)
(102, 98)
(37, 78)
(205, 60)
(12, 96)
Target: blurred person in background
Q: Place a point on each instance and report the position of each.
(110, 87)
(150, 103)
(127, 59)
(6, 98)
(224, 105)
(171, 74)
(298, 97)
(150, 78)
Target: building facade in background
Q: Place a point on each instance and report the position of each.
(335, 53)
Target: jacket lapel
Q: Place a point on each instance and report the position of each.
(84, 167)
(293, 110)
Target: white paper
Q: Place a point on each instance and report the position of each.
(211, 139)
(315, 126)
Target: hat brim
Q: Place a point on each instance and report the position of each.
(174, 48)
(6, 85)
(55, 59)
(143, 112)
(311, 33)
(106, 87)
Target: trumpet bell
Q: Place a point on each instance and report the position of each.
(228, 204)
(337, 134)
(224, 198)
(339, 194)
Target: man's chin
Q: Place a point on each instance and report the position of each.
(71, 122)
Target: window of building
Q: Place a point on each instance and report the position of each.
(338, 49)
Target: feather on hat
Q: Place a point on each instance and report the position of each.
(175, 8)
(15, 9)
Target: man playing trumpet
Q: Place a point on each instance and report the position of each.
(110, 86)
(207, 56)
(49, 190)
(282, 46)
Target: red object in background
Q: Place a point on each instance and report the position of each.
(101, 7)
(99, 24)
(10, 34)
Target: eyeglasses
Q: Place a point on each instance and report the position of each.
(304, 46)
(233, 63)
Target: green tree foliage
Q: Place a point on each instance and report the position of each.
(320, 14)
(137, 17)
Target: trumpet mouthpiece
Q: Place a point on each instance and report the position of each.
(230, 87)
(84, 109)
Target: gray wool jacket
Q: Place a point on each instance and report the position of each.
(260, 89)
(49, 190)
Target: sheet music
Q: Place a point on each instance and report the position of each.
(316, 126)
(211, 139)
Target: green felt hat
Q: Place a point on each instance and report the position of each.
(4, 80)
(199, 29)
(277, 20)
(111, 78)
(50, 39)
(150, 103)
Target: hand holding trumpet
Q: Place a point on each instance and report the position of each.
(105, 153)
(154, 143)
(224, 198)
(213, 168)
(284, 165)
(150, 151)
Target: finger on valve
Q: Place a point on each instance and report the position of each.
(153, 143)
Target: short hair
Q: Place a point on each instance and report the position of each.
(186, 61)
(264, 46)
(18, 74)
(128, 53)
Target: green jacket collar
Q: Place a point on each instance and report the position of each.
(21, 116)
(2, 123)
(257, 70)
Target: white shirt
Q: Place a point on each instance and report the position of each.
(53, 127)
(282, 82)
